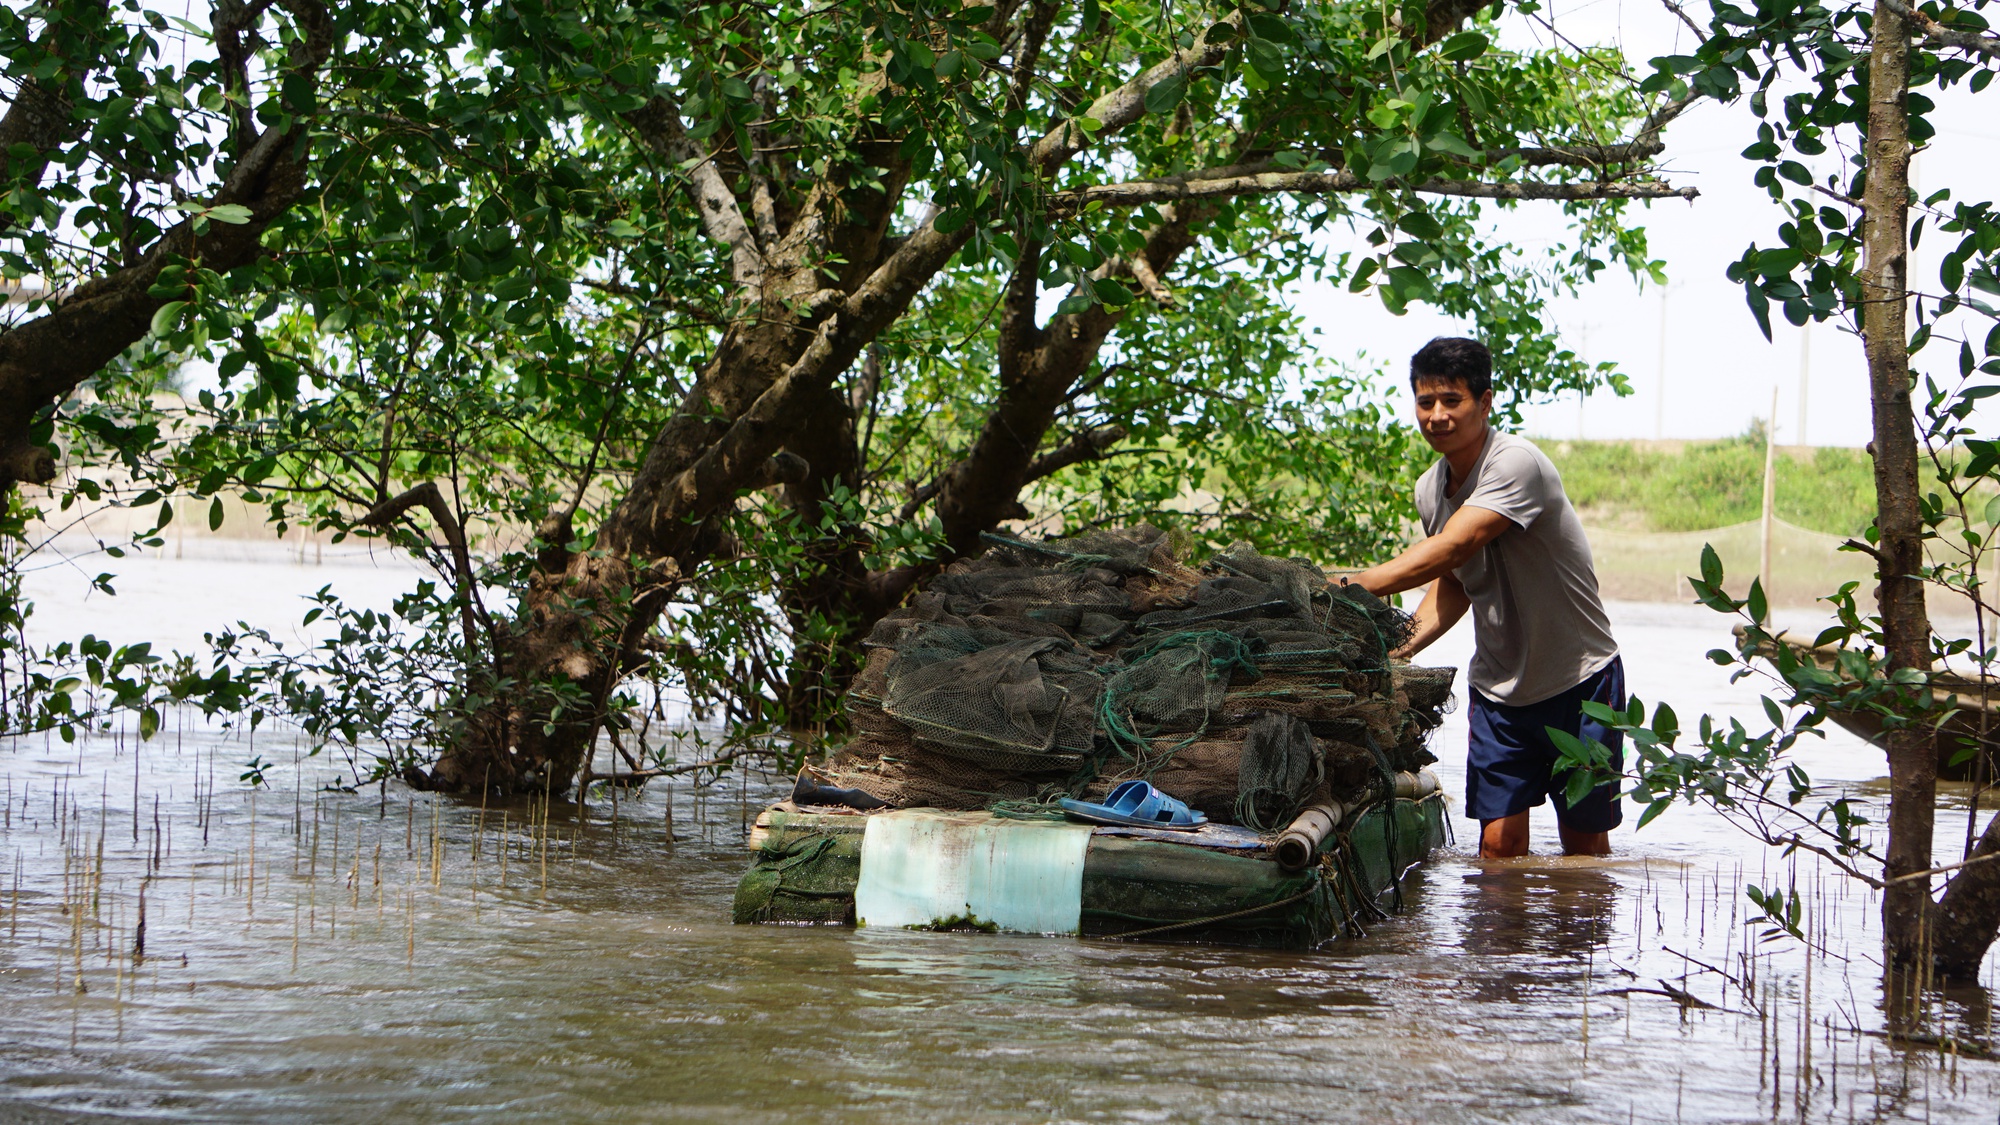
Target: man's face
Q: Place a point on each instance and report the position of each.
(1450, 417)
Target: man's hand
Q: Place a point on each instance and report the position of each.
(1463, 534)
(1444, 603)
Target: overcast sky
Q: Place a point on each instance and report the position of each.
(1719, 371)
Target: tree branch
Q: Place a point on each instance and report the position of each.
(1938, 35)
(229, 20)
(658, 123)
(1183, 188)
(983, 487)
(1443, 17)
(40, 117)
(1968, 912)
(652, 297)
(1680, 13)
(1086, 446)
(432, 500)
(45, 359)
(1034, 31)
(1142, 272)
(1019, 333)
(1580, 156)
(918, 498)
(1127, 103)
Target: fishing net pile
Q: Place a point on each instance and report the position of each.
(1246, 686)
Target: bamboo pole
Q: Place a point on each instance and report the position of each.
(1301, 840)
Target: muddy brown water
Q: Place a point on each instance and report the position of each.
(381, 956)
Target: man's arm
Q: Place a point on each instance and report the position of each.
(1463, 534)
(1444, 603)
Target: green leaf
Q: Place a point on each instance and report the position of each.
(1569, 748)
(149, 722)
(235, 214)
(298, 94)
(1396, 158)
(1666, 725)
(1092, 16)
(1760, 306)
(620, 228)
(1266, 56)
(1166, 93)
(1112, 292)
(1653, 812)
(169, 283)
(514, 288)
(215, 514)
(1411, 284)
(1578, 787)
(1711, 565)
(1453, 144)
(1952, 272)
(1463, 47)
(1759, 607)
(1421, 225)
(1603, 713)
(168, 316)
(1266, 26)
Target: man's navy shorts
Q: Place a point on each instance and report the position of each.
(1510, 756)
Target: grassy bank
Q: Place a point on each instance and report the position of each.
(1688, 486)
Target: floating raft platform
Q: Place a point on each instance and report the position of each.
(932, 869)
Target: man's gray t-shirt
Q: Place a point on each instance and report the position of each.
(1538, 625)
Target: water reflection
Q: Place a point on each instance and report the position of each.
(1557, 908)
(998, 964)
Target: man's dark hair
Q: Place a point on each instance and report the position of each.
(1457, 359)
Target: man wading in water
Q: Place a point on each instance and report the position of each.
(1504, 542)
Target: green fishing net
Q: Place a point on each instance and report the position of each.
(1246, 685)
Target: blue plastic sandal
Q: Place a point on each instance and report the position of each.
(1136, 804)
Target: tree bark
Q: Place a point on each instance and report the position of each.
(1967, 916)
(1899, 519)
(44, 359)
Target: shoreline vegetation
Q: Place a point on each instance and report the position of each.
(1648, 507)
(1676, 486)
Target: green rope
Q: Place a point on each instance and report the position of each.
(1221, 654)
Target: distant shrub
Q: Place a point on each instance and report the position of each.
(1714, 484)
